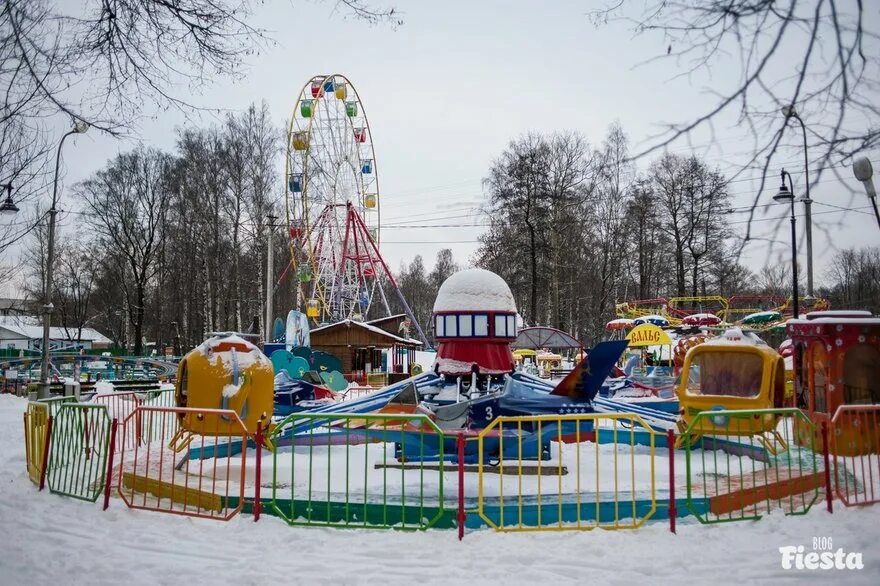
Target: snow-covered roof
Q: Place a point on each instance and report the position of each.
(474, 290)
(855, 313)
(855, 321)
(31, 328)
(371, 328)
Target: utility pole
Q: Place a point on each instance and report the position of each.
(791, 112)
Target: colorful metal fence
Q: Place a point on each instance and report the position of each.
(54, 404)
(360, 470)
(198, 474)
(120, 405)
(566, 472)
(855, 453)
(744, 474)
(37, 427)
(78, 450)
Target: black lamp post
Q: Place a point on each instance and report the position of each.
(787, 194)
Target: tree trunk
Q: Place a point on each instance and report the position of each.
(533, 253)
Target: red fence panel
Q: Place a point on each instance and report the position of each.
(198, 474)
(120, 406)
(855, 451)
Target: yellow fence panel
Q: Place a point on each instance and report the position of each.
(567, 472)
(36, 433)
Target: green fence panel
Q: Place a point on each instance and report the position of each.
(78, 450)
(748, 463)
(348, 470)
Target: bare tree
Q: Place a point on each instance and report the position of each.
(815, 55)
(854, 279)
(127, 204)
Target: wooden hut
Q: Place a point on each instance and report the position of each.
(359, 346)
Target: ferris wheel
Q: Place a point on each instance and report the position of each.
(332, 205)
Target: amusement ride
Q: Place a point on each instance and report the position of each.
(333, 207)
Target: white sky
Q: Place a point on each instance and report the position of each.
(449, 89)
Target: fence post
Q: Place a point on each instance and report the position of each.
(110, 455)
(27, 444)
(670, 442)
(258, 439)
(826, 457)
(46, 452)
(460, 519)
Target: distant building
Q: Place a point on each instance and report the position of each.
(15, 306)
(26, 333)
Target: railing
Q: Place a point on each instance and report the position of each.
(356, 392)
(37, 430)
(55, 403)
(120, 405)
(349, 470)
(566, 472)
(200, 474)
(746, 463)
(79, 448)
(386, 470)
(855, 451)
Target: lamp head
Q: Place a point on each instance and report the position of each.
(789, 111)
(862, 169)
(80, 126)
(784, 194)
(8, 207)
(864, 172)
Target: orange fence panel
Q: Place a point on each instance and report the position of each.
(198, 474)
(855, 454)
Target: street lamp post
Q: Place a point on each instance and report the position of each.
(79, 127)
(786, 194)
(790, 112)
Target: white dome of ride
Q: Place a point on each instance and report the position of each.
(474, 290)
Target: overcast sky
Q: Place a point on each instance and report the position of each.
(448, 90)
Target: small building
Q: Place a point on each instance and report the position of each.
(15, 306)
(359, 346)
(26, 333)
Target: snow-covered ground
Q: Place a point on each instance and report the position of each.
(54, 540)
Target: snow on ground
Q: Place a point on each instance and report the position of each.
(53, 540)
